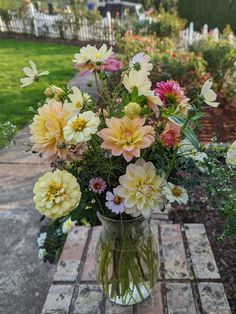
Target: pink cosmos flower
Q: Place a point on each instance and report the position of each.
(97, 185)
(114, 202)
(170, 92)
(170, 136)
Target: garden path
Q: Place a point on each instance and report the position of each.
(24, 279)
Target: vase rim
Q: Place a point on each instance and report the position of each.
(121, 220)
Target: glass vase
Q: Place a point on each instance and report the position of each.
(126, 260)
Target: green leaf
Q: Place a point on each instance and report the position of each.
(125, 98)
(134, 94)
(197, 116)
(176, 120)
(191, 136)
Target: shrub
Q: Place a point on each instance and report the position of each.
(221, 12)
(166, 24)
(185, 67)
(220, 57)
(131, 44)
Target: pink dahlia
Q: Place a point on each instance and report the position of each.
(112, 64)
(170, 92)
(170, 136)
(97, 185)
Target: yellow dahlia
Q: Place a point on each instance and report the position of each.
(126, 136)
(141, 188)
(56, 194)
(47, 130)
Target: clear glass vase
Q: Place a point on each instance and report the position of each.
(126, 260)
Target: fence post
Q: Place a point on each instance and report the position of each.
(32, 15)
(110, 37)
(1, 25)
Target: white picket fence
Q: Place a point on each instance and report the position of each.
(189, 36)
(60, 26)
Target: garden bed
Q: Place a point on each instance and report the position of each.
(225, 253)
(219, 122)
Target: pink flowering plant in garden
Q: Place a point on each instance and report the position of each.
(119, 155)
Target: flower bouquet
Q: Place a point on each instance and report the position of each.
(116, 158)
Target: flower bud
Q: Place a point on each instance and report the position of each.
(48, 92)
(132, 110)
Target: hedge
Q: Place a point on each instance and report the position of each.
(215, 13)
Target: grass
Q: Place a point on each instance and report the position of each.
(14, 55)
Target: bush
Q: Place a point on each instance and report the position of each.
(131, 44)
(166, 24)
(185, 67)
(220, 57)
(222, 12)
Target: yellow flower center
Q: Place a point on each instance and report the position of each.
(78, 124)
(77, 104)
(117, 200)
(145, 189)
(128, 135)
(97, 55)
(55, 191)
(176, 191)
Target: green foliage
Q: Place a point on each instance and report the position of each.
(166, 24)
(216, 13)
(220, 182)
(220, 57)
(7, 131)
(14, 55)
(54, 241)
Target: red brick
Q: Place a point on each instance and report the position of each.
(89, 267)
(67, 268)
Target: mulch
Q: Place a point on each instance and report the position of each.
(219, 122)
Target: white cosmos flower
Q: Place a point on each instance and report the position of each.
(139, 80)
(98, 55)
(114, 202)
(92, 54)
(141, 62)
(175, 193)
(82, 57)
(76, 99)
(231, 154)
(209, 95)
(32, 74)
(80, 127)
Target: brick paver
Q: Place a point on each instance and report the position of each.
(187, 285)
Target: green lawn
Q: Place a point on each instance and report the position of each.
(14, 55)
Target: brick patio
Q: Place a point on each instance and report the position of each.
(189, 279)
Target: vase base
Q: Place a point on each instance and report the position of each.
(134, 296)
